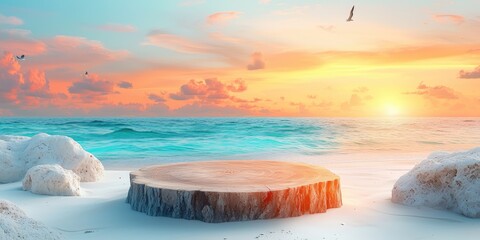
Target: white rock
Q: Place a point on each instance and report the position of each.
(18, 154)
(14, 224)
(10, 168)
(52, 180)
(443, 181)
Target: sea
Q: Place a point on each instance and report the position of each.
(143, 141)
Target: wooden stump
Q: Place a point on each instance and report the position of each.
(223, 191)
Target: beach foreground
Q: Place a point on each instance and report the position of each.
(367, 213)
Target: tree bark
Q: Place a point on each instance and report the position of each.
(223, 191)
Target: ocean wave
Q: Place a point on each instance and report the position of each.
(134, 134)
(91, 123)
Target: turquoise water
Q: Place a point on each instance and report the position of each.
(115, 140)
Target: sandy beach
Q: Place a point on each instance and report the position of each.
(367, 213)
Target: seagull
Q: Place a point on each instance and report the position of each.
(351, 14)
(86, 73)
(21, 57)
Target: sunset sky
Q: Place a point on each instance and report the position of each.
(240, 58)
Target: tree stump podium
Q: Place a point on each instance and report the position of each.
(223, 191)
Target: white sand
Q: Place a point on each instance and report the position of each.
(367, 212)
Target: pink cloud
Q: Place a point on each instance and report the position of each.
(256, 62)
(91, 88)
(125, 85)
(10, 20)
(20, 42)
(23, 90)
(210, 89)
(435, 92)
(112, 27)
(238, 85)
(221, 17)
(10, 77)
(457, 19)
(156, 98)
(74, 53)
(174, 42)
(472, 74)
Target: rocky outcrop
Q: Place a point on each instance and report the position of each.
(223, 191)
(52, 180)
(18, 154)
(443, 181)
(15, 225)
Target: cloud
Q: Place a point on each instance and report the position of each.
(357, 99)
(10, 20)
(20, 90)
(435, 92)
(11, 77)
(354, 101)
(264, 1)
(237, 86)
(472, 74)
(74, 53)
(125, 84)
(457, 19)
(113, 27)
(311, 96)
(221, 17)
(20, 42)
(210, 89)
(257, 62)
(173, 42)
(91, 88)
(156, 98)
(59, 52)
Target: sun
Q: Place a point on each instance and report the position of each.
(392, 110)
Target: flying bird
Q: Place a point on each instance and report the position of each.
(351, 15)
(21, 57)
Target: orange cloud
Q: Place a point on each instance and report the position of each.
(210, 89)
(125, 84)
(156, 98)
(435, 92)
(257, 62)
(173, 42)
(472, 74)
(20, 90)
(75, 52)
(221, 17)
(457, 19)
(10, 20)
(20, 42)
(92, 88)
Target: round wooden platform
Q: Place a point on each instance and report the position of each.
(222, 191)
